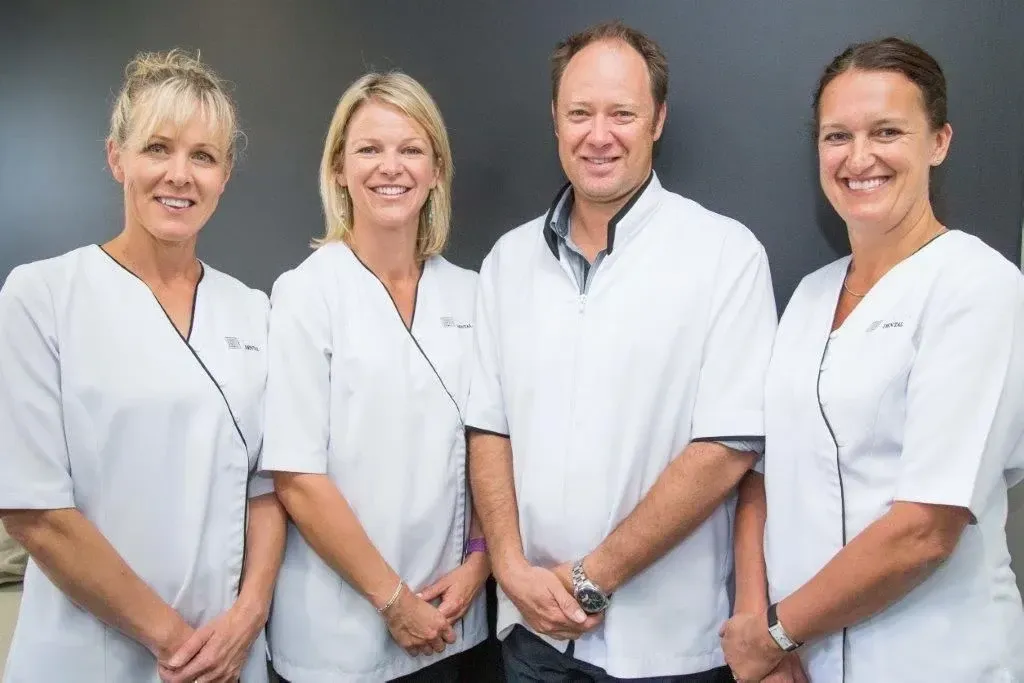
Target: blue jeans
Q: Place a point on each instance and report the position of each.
(528, 659)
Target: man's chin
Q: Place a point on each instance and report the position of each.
(602, 191)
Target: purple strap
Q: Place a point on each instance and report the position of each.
(476, 545)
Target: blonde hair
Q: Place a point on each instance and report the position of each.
(405, 93)
(171, 87)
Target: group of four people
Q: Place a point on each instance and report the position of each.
(666, 485)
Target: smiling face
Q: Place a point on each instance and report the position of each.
(172, 179)
(388, 167)
(876, 148)
(606, 121)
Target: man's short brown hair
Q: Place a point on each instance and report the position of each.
(657, 65)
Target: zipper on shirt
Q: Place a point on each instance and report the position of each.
(839, 472)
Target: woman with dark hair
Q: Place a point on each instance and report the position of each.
(872, 541)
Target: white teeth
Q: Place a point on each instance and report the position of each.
(600, 161)
(175, 203)
(865, 184)
(391, 190)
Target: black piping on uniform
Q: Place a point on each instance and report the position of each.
(706, 439)
(614, 222)
(234, 421)
(462, 422)
(549, 234)
(479, 430)
(839, 471)
(408, 329)
(552, 238)
(195, 297)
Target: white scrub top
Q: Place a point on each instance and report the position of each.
(376, 407)
(600, 391)
(919, 397)
(106, 408)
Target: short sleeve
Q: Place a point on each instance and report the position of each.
(262, 483)
(297, 403)
(730, 393)
(36, 471)
(965, 394)
(485, 410)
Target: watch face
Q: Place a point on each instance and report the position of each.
(591, 600)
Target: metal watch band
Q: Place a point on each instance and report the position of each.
(580, 580)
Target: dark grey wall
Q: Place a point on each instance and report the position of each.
(737, 139)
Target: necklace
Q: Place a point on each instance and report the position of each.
(849, 270)
(850, 291)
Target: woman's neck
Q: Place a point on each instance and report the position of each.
(876, 252)
(389, 252)
(156, 262)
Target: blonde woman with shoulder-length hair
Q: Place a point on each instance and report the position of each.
(371, 340)
(405, 94)
(131, 405)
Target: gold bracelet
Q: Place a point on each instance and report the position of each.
(393, 599)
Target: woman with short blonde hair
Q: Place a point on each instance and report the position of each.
(131, 396)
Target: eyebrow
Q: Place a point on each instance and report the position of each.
(403, 142)
(614, 105)
(888, 121)
(163, 138)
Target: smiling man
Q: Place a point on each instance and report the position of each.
(621, 345)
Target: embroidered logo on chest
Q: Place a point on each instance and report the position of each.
(881, 324)
(449, 321)
(235, 344)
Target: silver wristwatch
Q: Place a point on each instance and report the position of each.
(592, 599)
(778, 633)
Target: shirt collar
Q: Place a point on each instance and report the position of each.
(629, 217)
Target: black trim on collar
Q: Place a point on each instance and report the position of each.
(549, 234)
(624, 210)
(552, 239)
(195, 354)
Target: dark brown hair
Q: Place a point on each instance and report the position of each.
(897, 55)
(657, 65)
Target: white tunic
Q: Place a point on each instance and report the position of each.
(920, 397)
(106, 408)
(355, 395)
(599, 392)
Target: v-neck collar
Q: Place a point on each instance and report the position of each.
(415, 296)
(837, 290)
(195, 295)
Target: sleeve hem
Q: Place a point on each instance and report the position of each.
(294, 467)
(261, 484)
(729, 426)
(17, 500)
(481, 430)
(936, 498)
(492, 421)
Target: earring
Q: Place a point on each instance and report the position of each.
(431, 216)
(342, 202)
